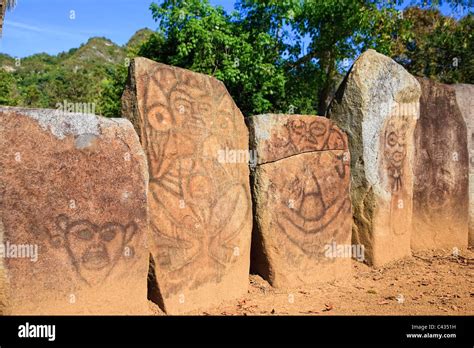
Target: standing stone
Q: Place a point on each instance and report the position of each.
(440, 199)
(377, 106)
(200, 208)
(301, 195)
(73, 214)
(465, 100)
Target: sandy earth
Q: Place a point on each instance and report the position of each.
(429, 283)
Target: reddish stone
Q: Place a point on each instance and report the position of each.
(200, 204)
(274, 137)
(465, 101)
(301, 196)
(440, 200)
(74, 187)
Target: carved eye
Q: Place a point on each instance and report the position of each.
(182, 106)
(392, 139)
(298, 127)
(85, 234)
(108, 234)
(317, 128)
(161, 119)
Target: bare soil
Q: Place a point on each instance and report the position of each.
(432, 282)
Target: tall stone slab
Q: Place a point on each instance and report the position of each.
(440, 202)
(465, 101)
(302, 206)
(377, 105)
(73, 215)
(199, 196)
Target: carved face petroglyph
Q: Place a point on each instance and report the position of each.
(394, 166)
(443, 182)
(315, 135)
(176, 123)
(93, 249)
(395, 151)
(305, 136)
(311, 197)
(198, 208)
(187, 108)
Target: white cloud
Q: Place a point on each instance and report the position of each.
(42, 30)
(23, 26)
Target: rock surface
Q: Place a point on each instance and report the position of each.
(440, 199)
(377, 106)
(73, 214)
(301, 199)
(277, 136)
(200, 207)
(465, 100)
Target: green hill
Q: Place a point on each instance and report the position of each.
(138, 38)
(98, 50)
(95, 73)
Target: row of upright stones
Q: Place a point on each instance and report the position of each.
(410, 161)
(97, 199)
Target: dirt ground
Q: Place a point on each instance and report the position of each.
(429, 283)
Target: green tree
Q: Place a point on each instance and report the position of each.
(111, 89)
(326, 36)
(8, 93)
(195, 35)
(321, 38)
(277, 19)
(32, 96)
(438, 47)
(274, 71)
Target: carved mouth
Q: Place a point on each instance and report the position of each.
(95, 260)
(196, 127)
(308, 146)
(398, 157)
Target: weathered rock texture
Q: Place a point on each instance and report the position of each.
(440, 199)
(200, 206)
(465, 101)
(74, 187)
(377, 106)
(301, 194)
(3, 8)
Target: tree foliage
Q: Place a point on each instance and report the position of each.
(195, 35)
(94, 73)
(274, 55)
(7, 89)
(438, 47)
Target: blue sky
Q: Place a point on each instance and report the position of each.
(36, 26)
(45, 25)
